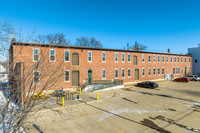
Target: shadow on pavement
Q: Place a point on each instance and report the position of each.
(140, 123)
(166, 96)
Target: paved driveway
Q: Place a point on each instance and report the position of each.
(173, 107)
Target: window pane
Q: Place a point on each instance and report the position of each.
(129, 57)
(116, 57)
(52, 55)
(103, 56)
(122, 72)
(129, 72)
(89, 56)
(36, 54)
(66, 55)
(103, 73)
(116, 73)
(36, 78)
(66, 75)
(122, 57)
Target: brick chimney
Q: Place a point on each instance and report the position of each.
(14, 40)
(168, 50)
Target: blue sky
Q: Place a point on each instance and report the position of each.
(158, 24)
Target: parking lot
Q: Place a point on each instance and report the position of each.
(172, 107)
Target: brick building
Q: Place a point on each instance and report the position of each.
(78, 65)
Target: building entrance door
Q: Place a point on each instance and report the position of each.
(136, 74)
(89, 76)
(75, 78)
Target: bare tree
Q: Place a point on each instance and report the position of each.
(88, 42)
(53, 38)
(137, 47)
(16, 109)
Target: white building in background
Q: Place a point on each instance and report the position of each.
(195, 59)
(3, 74)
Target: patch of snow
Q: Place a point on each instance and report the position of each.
(113, 112)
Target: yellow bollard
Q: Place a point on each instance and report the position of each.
(97, 95)
(63, 101)
(80, 91)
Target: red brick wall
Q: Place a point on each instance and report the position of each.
(25, 54)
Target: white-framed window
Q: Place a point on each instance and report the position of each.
(123, 73)
(123, 57)
(154, 58)
(143, 58)
(116, 73)
(35, 54)
(129, 57)
(158, 58)
(154, 71)
(163, 71)
(158, 71)
(67, 74)
(174, 71)
(163, 58)
(103, 57)
(182, 59)
(129, 72)
(89, 56)
(171, 59)
(189, 59)
(149, 58)
(175, 59)
(143, 72)
(52, 55)
(36, 77)
(103, 74)
(116, 57)
(178, 59)
(149, 71)
(167, 59)
(66, 55)
(185, 59)
(178, 70)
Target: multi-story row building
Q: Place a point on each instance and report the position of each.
(77, 65)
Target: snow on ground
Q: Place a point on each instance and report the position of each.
(136, 111)
(3, 102)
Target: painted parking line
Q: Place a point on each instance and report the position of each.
(118, 130)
